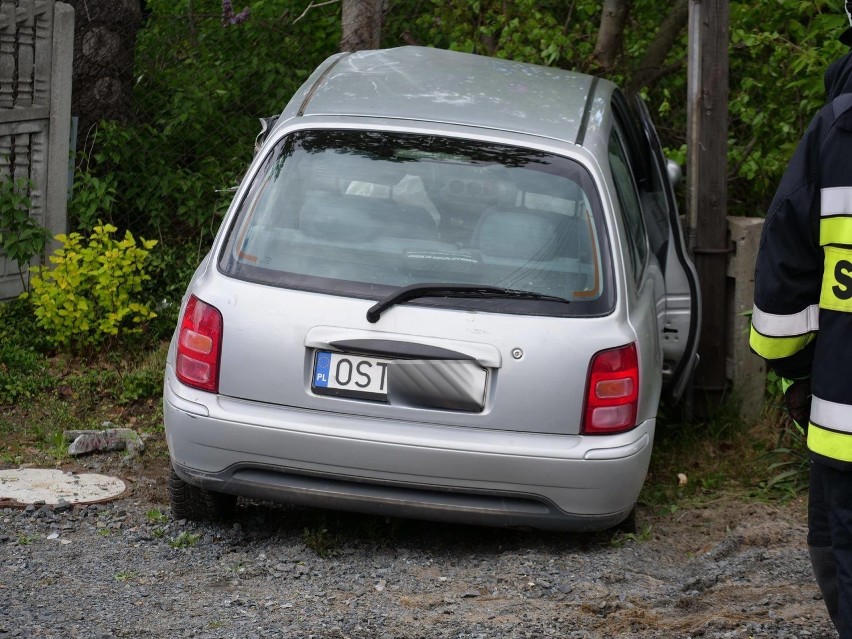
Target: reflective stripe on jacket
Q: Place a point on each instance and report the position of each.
(779, 336)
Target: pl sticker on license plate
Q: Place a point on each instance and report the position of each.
(350, 375)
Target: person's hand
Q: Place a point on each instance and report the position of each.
(797, 400)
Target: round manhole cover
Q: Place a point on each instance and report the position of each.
(50, 486)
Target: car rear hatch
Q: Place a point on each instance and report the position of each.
(422, 278)
(318, 352)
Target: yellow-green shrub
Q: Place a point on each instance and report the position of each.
(91, 292)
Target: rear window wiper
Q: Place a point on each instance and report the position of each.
(454, 290)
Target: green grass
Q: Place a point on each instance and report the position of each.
(156, 516)
(725, 456)
(43, 393)
(23, 373)
(620, 538)
(321, 541)
(184, 540)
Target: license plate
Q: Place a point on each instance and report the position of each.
(350, 375)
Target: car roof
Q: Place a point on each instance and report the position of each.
(435, 85)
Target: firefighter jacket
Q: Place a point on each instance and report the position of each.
(802, 318)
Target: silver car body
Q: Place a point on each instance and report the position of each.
(487, 425)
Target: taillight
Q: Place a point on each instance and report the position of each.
(199, 346)
(612, 397)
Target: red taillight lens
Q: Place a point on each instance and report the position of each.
(199, 346)
(612, 397)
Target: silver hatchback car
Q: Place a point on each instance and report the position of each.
(449, 287)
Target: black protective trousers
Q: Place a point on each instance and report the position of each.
(830, 525)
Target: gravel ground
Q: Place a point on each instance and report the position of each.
(730, 570)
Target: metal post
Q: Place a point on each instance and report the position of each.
(56, 205)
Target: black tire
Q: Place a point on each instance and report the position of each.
(196, 504)
(629, 526)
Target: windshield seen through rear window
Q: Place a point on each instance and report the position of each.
(364, 213)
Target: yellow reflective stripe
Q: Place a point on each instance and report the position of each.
(778, 347)
(835, 230)
(836, 294)
(829, 443)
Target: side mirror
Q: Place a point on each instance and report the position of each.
(674, 171)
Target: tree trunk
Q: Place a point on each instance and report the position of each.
(652, 66)
(104, 43)
(361, 25)
(610, 33)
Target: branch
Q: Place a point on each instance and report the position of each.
(650, 68)
(314, 5)
(611, 31)
(652, 76)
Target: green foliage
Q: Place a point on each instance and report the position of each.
(787, 460)
(91, 293)
(548, 33)
(93, 198)
(620, 538)
(22, 373)
(200, 89)
(690, 462)
(170, 268)
(774, 388)
(124, 575)
(156, 516)
(18, 325)
(321, 541)
(21, 237)
(23, 369)
(43, 393)
(141, 384)
(184, 540)
(778, 57)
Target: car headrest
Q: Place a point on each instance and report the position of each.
(521, 234)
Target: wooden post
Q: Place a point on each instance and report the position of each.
(707, 183)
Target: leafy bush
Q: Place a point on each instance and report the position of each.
(171, 267)
(93, 199)
(18, 325)
(23, 369)
(200, 88)
(21, 237)
(22, 373)
(91, 293)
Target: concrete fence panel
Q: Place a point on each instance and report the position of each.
(36, 51)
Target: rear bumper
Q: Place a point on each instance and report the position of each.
(407, 469)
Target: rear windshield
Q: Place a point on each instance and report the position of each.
(363, 213)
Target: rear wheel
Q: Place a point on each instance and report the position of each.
(629, 526)
(197, 504)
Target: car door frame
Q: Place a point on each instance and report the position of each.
(679, 271)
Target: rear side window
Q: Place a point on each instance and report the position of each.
(631, 208)
(362, 213)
